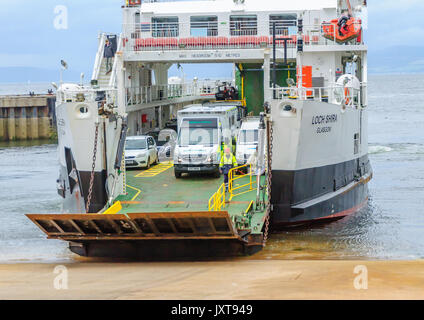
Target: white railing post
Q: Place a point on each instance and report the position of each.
(99, 57)
(112, 81)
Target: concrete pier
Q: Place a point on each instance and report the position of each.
(26, 117)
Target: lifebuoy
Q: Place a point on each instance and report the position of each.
(346, 96)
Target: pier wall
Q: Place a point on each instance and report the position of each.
(27, 117)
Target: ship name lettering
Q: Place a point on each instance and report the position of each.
(331, 118)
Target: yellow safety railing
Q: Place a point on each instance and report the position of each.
(217, 201)
(237, 174)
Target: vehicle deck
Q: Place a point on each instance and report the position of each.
(157, 190)
(162, 217)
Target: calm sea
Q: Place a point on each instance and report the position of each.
(391, 227)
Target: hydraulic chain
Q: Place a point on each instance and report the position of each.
(93, 167)
(270, 137)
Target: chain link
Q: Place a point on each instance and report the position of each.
(93, 167)
(270, 139)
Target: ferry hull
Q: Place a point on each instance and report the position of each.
(163, 249)
(319, 195)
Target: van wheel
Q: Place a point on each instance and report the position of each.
(177, 174)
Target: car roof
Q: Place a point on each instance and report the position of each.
(253, 124)
(138, 137)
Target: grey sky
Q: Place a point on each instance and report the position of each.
(29, 38)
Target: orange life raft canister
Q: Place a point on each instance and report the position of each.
(331, 29)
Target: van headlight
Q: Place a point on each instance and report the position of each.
(210, 158)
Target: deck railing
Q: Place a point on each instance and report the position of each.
(245, 176)
(217, 201)
(99, 57)
(213, 35)
(347, 96)
(87, 94)
(147, 94)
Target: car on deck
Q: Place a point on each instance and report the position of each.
(140, 152)
(166, 142)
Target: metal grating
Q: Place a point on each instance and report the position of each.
(136, 226)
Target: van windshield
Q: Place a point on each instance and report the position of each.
(136, 144)
(249, 137)
(199, 131)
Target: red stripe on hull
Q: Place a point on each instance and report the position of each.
(345, 213)
(333, 217)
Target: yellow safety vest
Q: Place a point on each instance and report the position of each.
(231, 160)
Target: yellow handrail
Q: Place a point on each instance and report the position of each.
(232, 176)
(217, 201)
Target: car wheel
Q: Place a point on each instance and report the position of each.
(157, 159)
(217, 174)
(148, 164)
(177, 174)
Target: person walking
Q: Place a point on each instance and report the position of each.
(228, 162)
(109, 54)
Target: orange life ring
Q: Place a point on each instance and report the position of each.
(346, 96)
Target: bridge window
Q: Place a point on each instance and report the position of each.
(246, 25)
(165, 27)
(285, 24)
(204, 26)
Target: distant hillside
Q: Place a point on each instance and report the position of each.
(25, 74)
(398, 59)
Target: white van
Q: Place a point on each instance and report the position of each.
(201, 131)
(247, 139)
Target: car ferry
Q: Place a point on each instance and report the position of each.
(309, 90)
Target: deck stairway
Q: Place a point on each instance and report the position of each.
(103, 78)
(100, 74)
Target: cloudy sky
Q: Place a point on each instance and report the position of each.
(29, 38)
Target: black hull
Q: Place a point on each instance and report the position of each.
(98, 196)
(157, 250)
(319, 194)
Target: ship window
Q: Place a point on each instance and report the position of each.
(204, 26)
(285, 24)
(246, 25)
(165, 27)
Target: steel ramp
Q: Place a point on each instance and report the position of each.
(137, 226)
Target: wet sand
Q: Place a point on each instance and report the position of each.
(252, 279)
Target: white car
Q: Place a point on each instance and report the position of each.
(140, 152)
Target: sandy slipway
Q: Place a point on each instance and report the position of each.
(235, 279)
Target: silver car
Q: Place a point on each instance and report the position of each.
(140, 152)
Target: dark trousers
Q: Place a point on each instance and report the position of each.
(108, 65)
(226, 170)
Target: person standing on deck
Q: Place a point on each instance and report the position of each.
(228, 162)
(109, 54)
